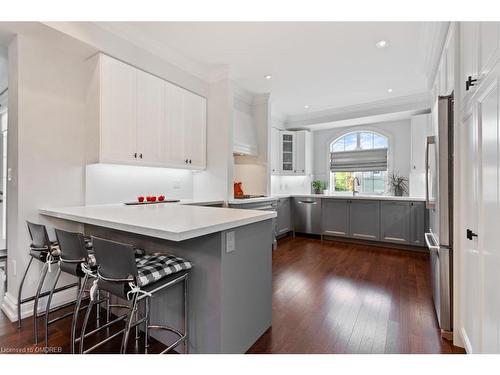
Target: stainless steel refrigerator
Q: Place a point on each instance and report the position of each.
(439, 201)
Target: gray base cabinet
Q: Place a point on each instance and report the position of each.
(335, 217)
(400, 222)
(395, 222)
(364, 219)
(418, 223)
(284, 220)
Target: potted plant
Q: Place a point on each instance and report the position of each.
(398, 184)
(318, 186)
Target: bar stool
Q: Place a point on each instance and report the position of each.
(122, 275)
(47, 252)
(75, 259)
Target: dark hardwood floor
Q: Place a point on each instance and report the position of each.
(333, 297)
(329, 297)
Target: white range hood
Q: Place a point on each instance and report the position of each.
(244, 134)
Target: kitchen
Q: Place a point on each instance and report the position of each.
(284, 196)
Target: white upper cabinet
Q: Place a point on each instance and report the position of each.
(195, 129)
(419, 129)
(275, 149)
(118, 111)
(293, 153)
(303, 153)
(137, 118)
(150, 130)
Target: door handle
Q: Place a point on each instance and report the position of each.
(470, 235)
(469, 83)
(140, 156)
(307, 202)
(428, 239)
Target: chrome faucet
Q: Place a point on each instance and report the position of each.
(355, 182)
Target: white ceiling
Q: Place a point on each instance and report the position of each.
(320, 64)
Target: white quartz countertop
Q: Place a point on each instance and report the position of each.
(175, 222)
(358, 196)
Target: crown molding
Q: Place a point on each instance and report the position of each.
(403, 104)
(137, 37)
(433, 37)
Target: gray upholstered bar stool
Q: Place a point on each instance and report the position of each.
(75, 259)
(133, 280)
(46, 252)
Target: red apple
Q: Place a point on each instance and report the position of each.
(161, 198)
(148, 198)
(153, 198)
(140, 199)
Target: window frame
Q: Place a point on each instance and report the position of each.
(376, 131)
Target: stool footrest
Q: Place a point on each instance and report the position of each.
(181, 339)
(44, 294)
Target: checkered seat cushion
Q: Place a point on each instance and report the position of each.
(152, 268)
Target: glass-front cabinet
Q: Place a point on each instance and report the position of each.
(287, 147)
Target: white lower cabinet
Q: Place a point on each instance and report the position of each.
(137, 118)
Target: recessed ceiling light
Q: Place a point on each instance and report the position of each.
(389, 90)
(306, 106)
(382, 43)
(268, 77)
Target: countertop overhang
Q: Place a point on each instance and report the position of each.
(174, 222)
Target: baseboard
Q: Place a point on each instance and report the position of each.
(9, 305)
(466, 341)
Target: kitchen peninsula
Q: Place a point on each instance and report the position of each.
(231, 281)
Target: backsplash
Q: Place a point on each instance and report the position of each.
(108, 183)
(290, 185)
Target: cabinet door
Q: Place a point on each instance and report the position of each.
(118, 111)
(417, 223)
(300, 153)
(195, 130)
(395, 221)
(468, 54)
(335, 217)
(287, 151)
(275, 151)
(151, 128)
(174, 126)
(284, 216)
(364, 219)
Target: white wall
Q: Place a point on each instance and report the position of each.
(46, 143)
(398, 132)
(107, 183)
(290, 185)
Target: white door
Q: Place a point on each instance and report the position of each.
(150, 124)
(195, 109)
(174, 126)
(488, 120)
(118, 111)
(471, 280)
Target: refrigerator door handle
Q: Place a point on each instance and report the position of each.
(430, 241)
(430, 140)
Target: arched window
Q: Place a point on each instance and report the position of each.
(361, 155)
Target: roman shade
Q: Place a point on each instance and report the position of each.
(359, 160)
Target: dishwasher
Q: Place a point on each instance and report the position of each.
(307, 215)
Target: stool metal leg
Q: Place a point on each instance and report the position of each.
(128, 323)
(37, 295)
(47, 309)
(98, 308)
(108, 312)
(147, 313)
(137, 326)
(186, 315)
(19, 293)
(85, 322)
(74, 322)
